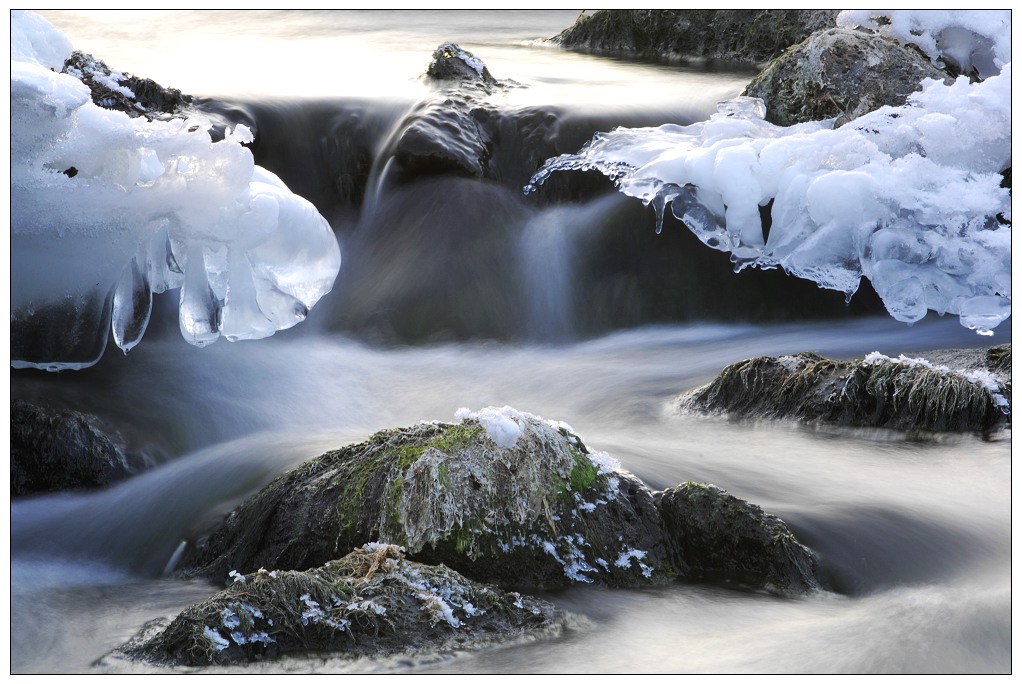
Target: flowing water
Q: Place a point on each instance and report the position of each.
(539, 314)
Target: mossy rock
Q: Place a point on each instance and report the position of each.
(840, 72)
(720, 537)
(542, 512)
(372, 602)
(877, 391)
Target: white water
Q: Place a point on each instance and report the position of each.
(915, 534)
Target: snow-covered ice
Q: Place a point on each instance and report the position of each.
(909, 197)
(107, 210)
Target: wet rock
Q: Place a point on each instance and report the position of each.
(842, 73)
(502, 497)
(748, 36)
(877, 391)
(57, 450)
(458, 131)
(372, 602)
(543, 511)
(451, 63)
(717, 536)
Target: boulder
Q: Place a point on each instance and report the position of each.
(57, 450)
(372, 602)
(538, 510)
(451, 63)
(876, 391)
(746, 36)
(720, 537)
(502, 497)
(840, 72)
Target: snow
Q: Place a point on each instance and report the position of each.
(967, 38)
(150, 206)
(503, 425)
(909, 197)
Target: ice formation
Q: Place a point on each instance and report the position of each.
(909, 196)
(971, 40)
(107, 210)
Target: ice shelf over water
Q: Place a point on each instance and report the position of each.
(107, 210)
(909, 197)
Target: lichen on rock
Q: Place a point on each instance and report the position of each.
(545, 511)
(370, 603)
(503, 497)
(840, 73)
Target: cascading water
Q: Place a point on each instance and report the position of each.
(464, 272)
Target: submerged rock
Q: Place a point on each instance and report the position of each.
(502, 497)
(57, 450)
(721, 537)
(372, 602)
(750, 36)
(840, 72)
(457, 131)
(876, 391)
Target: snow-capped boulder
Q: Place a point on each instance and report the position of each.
(502, 497)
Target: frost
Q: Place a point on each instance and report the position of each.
(214, 637)
(107, 210)
(229, 619)
(909, 197)
(315, 614)
(624, 560)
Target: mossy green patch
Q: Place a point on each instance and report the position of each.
(456, 437)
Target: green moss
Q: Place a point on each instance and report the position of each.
(408, 454)
(583, 474)
(456, 437)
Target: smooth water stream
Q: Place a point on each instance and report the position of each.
(915, 535)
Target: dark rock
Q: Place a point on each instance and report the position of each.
(749, 36)
(123, 92)
(451, 63)
(370, 603)
(57, 450)
(543, 512)
(842, 73)
(442, 135)
(458, 131)
(903, 394)
(717, 536)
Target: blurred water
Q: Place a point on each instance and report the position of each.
(915, 535)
